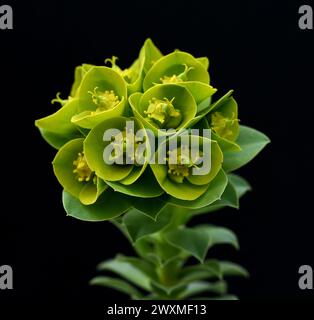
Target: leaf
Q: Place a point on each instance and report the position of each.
(229, 198)
(235, 189)
(143, 265)
(139, 225)
(117, 284)
(219, 235)
(196, 241)
(57, 140)
(109, 205)
(193, 241)
(208, 270)
(251, 143)
(139, 188)
(240, 185)
(197, 287)
(231, 269)
(151, 207)
(167, 292)
(127, 271)
(212, 269)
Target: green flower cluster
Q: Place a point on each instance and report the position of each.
(152, 201)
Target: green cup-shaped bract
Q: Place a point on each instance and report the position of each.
(179, 181)
(84, 184)
(122, 177)
(57, 128)
(150, 53)
(79, 74)
(95, 145)
(223, 120)
(101, 95)
(183, 107)
(183, 69)
(176, 67)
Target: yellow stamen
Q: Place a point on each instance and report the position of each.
(163, 113)
(81, 169)
(179, 164)
(183, 76)
(222, 125)
(104, 100)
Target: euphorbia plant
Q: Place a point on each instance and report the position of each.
(132, 145)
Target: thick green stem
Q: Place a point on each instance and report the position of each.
(168, 272)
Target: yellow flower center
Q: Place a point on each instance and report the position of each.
(222, 125)
(104, 100)
(81, 168)
(173, 79)
(163, 113)
(183, 76)
(179, 164)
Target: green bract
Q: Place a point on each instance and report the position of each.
(146, 148)
(57, 128)
(102, 95)
(74, 174)
(122, 145)
(176, 67)
(183, 69)
(168, 107)
(178, 180)
(223, 120)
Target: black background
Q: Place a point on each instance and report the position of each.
(255, 48)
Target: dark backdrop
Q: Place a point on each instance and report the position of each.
(255, 47)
